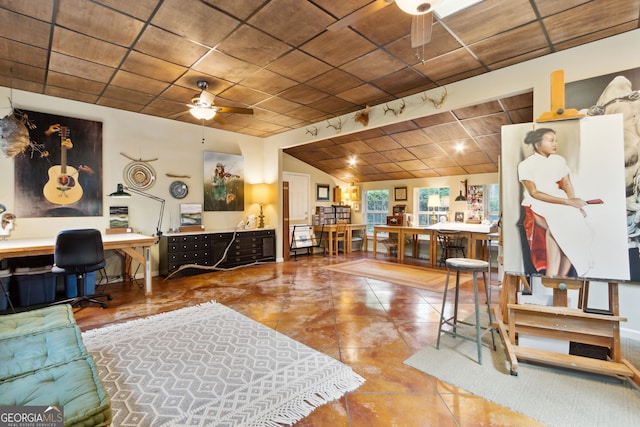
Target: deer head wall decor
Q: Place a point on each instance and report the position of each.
(362, 117)
(395, 112)
(438, 104)
(313, 131)
(337, 126)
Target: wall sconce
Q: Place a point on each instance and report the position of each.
(461, 197)
(261, 194)
(434, 202)
(120, 193)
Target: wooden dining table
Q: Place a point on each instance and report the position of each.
(477, 236)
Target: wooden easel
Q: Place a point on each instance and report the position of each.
(561, 322)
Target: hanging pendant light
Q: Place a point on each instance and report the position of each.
(462, 197)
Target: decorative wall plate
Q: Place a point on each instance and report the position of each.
(139, 175)
(178, 189)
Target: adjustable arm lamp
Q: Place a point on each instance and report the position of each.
(120, 193)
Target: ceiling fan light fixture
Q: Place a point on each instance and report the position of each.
(202, 113)
(415, 7)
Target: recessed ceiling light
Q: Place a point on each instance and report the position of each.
(352, 161)
(460, 146)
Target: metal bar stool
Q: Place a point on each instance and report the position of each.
(474, 266)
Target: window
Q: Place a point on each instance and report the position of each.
(376, 208)
(430, 204)
(492, 201)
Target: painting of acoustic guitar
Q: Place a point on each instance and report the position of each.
(63, 187)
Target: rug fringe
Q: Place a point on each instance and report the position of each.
(343, 382)
(127, 323)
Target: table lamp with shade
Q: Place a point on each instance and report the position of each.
(261, 194)
(434, 202)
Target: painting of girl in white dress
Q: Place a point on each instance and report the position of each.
(564, 202)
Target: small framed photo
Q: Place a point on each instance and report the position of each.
(322, 192)
(400, 193)
(459, 217)
(356, 207)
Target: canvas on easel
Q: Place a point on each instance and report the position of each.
(594, 156)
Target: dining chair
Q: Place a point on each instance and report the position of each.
(451, 245)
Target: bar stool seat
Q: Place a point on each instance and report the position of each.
(473, 266)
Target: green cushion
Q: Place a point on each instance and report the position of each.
(21, 355)
(36, 321)
(74, 385)
(44, 362)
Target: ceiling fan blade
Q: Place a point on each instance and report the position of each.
(235, 110)
(175, 116)
(221, 120)
(421, 26)
(359, 14)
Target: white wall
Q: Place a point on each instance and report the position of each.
(177, 146)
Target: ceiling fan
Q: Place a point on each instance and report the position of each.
(202, 106)
(421, 22)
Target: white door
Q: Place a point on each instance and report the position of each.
(298, 196)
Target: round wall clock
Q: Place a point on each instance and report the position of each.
(139, 175)
(178, 189)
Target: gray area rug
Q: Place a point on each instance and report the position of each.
(556, 397)
(211, 366)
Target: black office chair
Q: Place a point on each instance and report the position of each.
(79, 252)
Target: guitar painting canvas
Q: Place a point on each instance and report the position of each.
(62, 177)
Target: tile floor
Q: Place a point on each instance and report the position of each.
(370, 325)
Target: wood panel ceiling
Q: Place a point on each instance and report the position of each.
(278, 58)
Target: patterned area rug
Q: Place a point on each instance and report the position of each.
(416, 277)
(209, 365)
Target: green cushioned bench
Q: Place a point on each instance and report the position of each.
(44, 362)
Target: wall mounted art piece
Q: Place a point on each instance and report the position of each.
(63, 176)
(223, 182)
(322, 192)
(578, 228)
(118, 217)
(475, 203)
(190, 214)
(618, 93)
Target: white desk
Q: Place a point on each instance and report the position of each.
(125, 243)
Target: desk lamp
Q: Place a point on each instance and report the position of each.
(120, 193)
